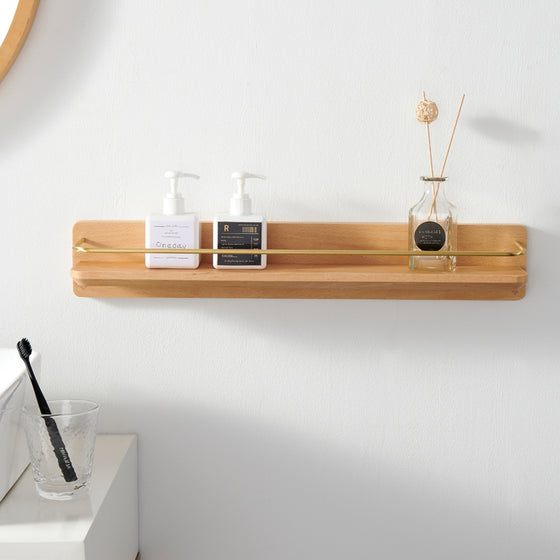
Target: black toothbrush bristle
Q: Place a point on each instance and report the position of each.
(24, 348)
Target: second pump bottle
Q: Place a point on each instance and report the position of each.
(240, 229)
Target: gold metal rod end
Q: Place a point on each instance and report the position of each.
(522, 250)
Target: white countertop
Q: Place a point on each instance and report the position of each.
(30, 525)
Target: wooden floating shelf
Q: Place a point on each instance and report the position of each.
(306, 276)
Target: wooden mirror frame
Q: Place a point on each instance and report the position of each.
(17, 34)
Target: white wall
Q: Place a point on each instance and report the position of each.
(298, 429)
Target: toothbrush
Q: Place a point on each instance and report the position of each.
(24, 349)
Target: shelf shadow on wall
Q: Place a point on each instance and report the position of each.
(504, 130)
(217, 485)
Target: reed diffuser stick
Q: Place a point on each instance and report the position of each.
(452, 134)
(446, 154)
(429, 141)
(429, 146)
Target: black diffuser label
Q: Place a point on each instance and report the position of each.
(429, 236)
(239, 235)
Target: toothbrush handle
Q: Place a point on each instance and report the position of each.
(41, 401)
(60, 450)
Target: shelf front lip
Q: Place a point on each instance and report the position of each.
(103, 274)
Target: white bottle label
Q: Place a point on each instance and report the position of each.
(170, 233)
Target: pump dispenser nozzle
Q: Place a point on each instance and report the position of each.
(240, 203)
(173, 202)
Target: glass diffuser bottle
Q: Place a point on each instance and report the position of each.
(432, 226)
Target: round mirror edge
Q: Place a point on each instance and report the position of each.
(17, 34)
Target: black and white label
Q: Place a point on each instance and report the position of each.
(239, 235)
(429, 236)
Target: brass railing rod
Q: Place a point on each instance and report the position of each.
(358, 252)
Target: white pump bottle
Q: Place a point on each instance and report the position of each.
(174, 229)
(240, 229)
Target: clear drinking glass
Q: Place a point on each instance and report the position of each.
(61, 446)
(432, 226)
